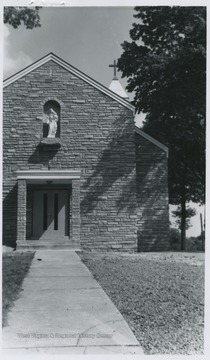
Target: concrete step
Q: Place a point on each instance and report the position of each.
(47, 244)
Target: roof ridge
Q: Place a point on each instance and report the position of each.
(70, 68)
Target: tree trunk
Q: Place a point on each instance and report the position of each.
(183, 220)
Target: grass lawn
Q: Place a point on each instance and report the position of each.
(161, 296)
(15, 268)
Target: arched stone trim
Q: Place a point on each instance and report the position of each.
(53, 98)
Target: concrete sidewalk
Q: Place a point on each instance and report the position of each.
(62, 309)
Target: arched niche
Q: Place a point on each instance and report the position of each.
(51, 113)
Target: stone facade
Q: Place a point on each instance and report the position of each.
(152, 196)
(108, 205)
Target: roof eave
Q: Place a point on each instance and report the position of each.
(151, 139)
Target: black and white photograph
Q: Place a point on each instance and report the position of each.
(104, 193)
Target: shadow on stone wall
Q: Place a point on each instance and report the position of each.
(115, 167)
(10, 218)
(41, 156)
(127, 198)
(153, 211)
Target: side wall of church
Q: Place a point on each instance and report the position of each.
(152, 196)
(97, 136)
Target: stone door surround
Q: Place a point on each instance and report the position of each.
(57, 177)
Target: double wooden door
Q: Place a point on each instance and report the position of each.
(50, 214)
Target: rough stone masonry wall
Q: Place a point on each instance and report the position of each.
(152, 196)
(97, 136)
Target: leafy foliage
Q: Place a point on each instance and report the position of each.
(166, 68)
(175, 239)
(189, 212)
(16, 16)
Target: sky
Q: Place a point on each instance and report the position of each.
(88, 38)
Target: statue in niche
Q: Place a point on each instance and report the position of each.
(52, 122)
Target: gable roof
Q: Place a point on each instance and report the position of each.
(152, 140)
(71, 69)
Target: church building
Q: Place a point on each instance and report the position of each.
(77, 172)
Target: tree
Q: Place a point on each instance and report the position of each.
(15, 16)
(190, 212)
(166, 68)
